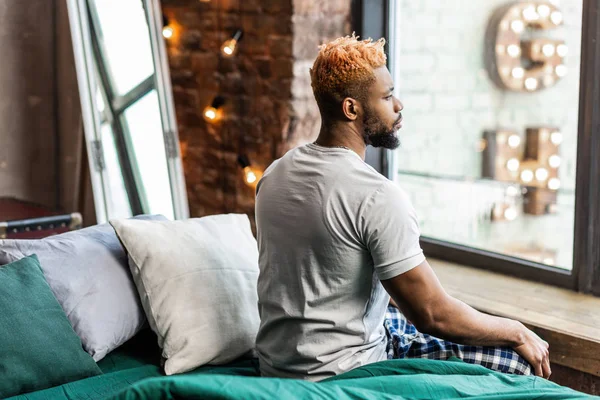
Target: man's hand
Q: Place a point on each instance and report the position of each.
(420, 297)
(535, 351)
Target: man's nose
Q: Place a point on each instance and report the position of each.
(399, 106)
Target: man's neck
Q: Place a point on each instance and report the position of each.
(342, 136)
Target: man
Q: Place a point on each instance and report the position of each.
(336, 240)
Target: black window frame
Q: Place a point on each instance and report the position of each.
(370, 18)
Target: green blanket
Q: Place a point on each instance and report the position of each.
(397, 379)
(133, 372)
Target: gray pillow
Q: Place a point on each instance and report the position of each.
(88, 273)
(197, 282)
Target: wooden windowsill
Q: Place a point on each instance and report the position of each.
(568, 321)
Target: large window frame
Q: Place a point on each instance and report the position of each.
(370, 18)
(93, 76)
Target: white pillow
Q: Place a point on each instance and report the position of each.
(197, 283)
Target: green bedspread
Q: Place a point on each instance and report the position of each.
(133, 372)
(398, 379)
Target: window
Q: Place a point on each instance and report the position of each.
(501, 144)
(127, 107)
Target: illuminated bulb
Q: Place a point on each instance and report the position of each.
(252, 176)
(213, 112)
(514, 141)
(505, 71)
(513, 165)
(549, 261)
(229, 46)
(541, 174)
(549, 68)
(543, 10)
(527, 175)
(512, 191)
(531, 84)
(556, 17)
(556, 138)
(562, 50)
(210, 113)
(501, 138)
(561, 70)
(167, 32)
(548, 49)
(510, 213)
(530, 14)
(513, 50)
(517, 26)
(554, 184)
(518, 73)
(554, 161)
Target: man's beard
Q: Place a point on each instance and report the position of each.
(377, 134)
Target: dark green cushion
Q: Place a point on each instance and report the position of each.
(38, 347)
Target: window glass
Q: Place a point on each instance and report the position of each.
(491, 94)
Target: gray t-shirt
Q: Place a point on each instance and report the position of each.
(329, 229)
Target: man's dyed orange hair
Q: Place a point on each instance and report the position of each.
(344, 68)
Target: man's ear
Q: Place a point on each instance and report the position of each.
(350, 108)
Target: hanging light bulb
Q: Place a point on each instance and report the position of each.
(251, 174)
(229, 46)
(214, 112)
(167, 30)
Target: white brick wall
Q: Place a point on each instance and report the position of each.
(450, 100)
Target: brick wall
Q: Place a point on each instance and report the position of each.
(269, 108)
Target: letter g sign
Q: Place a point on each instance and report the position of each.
(518, 58)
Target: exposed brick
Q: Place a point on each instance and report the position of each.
(270, 107)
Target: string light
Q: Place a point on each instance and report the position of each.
(251, 174)
(229, 46)
(561, 70)
(214, 112)
(167, 30)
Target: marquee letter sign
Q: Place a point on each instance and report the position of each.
(517, 57)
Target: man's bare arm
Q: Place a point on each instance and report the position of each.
(421, 298)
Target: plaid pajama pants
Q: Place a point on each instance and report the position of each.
(404, 341)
